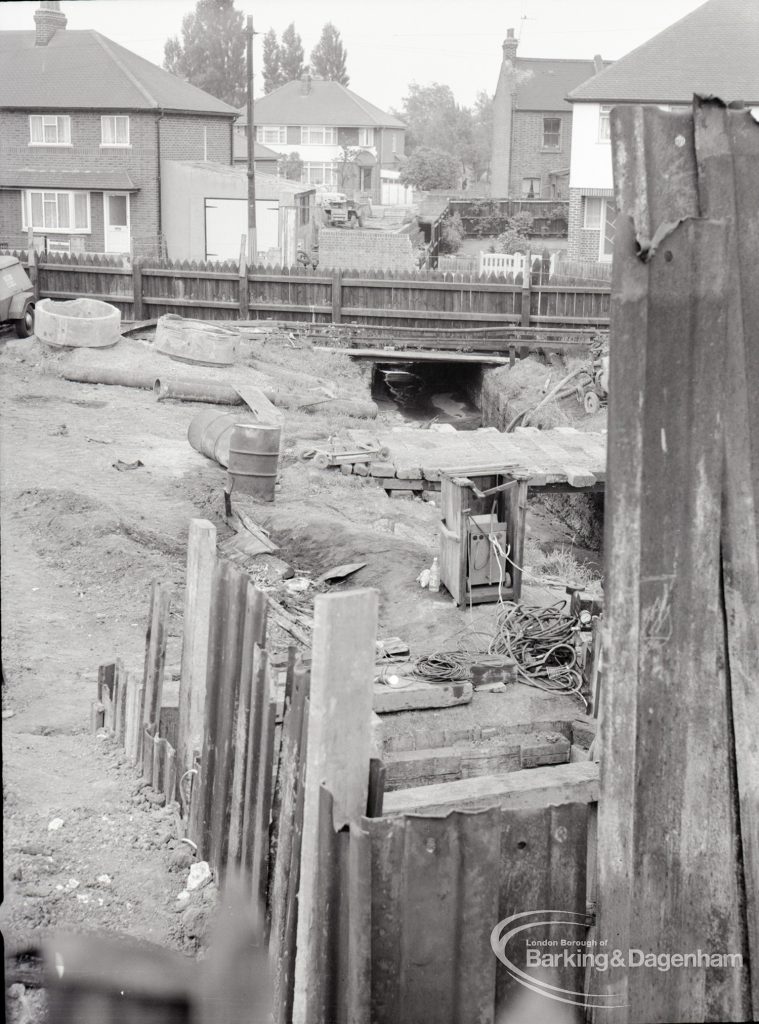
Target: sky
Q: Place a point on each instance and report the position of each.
(391, 43)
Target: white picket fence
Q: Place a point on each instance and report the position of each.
(506, 263)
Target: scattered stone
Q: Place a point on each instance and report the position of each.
(182, 901)
(360, 469)
(55, 824)
(200, 875)
(16, 990)
(195, 922)
(346, 469)
(181, 858)
(104, 879)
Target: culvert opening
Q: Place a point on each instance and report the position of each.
(430, 392)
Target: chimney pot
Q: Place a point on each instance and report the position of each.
(48, 19)
(598, 63)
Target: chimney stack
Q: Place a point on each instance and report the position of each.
(305, 83)
(49, 19)
(598, 64)
(510, 46)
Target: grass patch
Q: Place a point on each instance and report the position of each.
(560, 566)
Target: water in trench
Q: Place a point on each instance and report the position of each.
(429, 392)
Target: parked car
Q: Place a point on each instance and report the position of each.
(16, 296)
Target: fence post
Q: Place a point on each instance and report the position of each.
(137, 290)
(337, 296)
(526, 288)
(34, 271)
(243, 285)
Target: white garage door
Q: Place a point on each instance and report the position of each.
(227, 221)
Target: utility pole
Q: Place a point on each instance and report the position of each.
(252, 249)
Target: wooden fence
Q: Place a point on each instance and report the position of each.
(146, 290)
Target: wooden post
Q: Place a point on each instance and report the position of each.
(201, 559)
(243, 283)
(337, 296)
(675, 867)
(155, 654)
(138, 312)
(339, 742)
(34, 271)
(526, 289)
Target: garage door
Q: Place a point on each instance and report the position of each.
(227, 221)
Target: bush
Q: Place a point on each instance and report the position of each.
(515, 237)
(452, 234)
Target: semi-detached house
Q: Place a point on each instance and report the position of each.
(344, 142)
(85, 125)
(713, 51)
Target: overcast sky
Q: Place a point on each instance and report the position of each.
(393, 42)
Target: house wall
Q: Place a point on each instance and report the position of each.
(185, 137)
(503, 104)
(590, 165)
(529, 158)
(584, 244)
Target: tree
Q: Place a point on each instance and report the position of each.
(291, 54)
(290, 166)
(346, 168)
(273, 76)
(452, 234)
(515, 238)
(430, 168)
(211, 54)
(328, 57)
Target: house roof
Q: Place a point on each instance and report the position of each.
(92, 180)
(543, 84)
(84, 70)
(327, 103)
(714, 50)
(260, 152)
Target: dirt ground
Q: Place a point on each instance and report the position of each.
(81, 543)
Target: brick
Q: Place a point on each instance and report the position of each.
(401, 494)
(383, 469)
(401, 485)
(360, 469)
(430, 473)
(346, 469)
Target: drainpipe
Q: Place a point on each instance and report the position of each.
(158, 158)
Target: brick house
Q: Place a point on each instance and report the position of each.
(85, 125)
(532, 124)
(714, 50)
(316, 119)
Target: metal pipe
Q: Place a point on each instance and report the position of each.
(190, 391)
(121, 378)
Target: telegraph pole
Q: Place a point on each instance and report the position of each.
(252, 249)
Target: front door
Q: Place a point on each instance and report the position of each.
(117, 233)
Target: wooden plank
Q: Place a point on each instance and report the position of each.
(727, 151)
(133, 717)
(529, 788)
(155, 653)
(410, 768)
(337, 296)
(119, 721)
(418, 694)
(201, 558)
(402, 355)
(255, 849)
(669, 852)
(339, 739)
(258, 403)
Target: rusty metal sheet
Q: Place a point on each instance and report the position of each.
(435, 885)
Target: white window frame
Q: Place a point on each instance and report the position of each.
(318, 135)
(271, 134)
(598, 203)
(366, 137)
(327, 170)
(604, 123)
(44, 121)
(557, 133)
(26, 209)
(114, 145)
(394, 142)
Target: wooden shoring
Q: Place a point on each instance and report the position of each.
(155, 654)
(201, 558)
(670, 844)
(339, 751)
